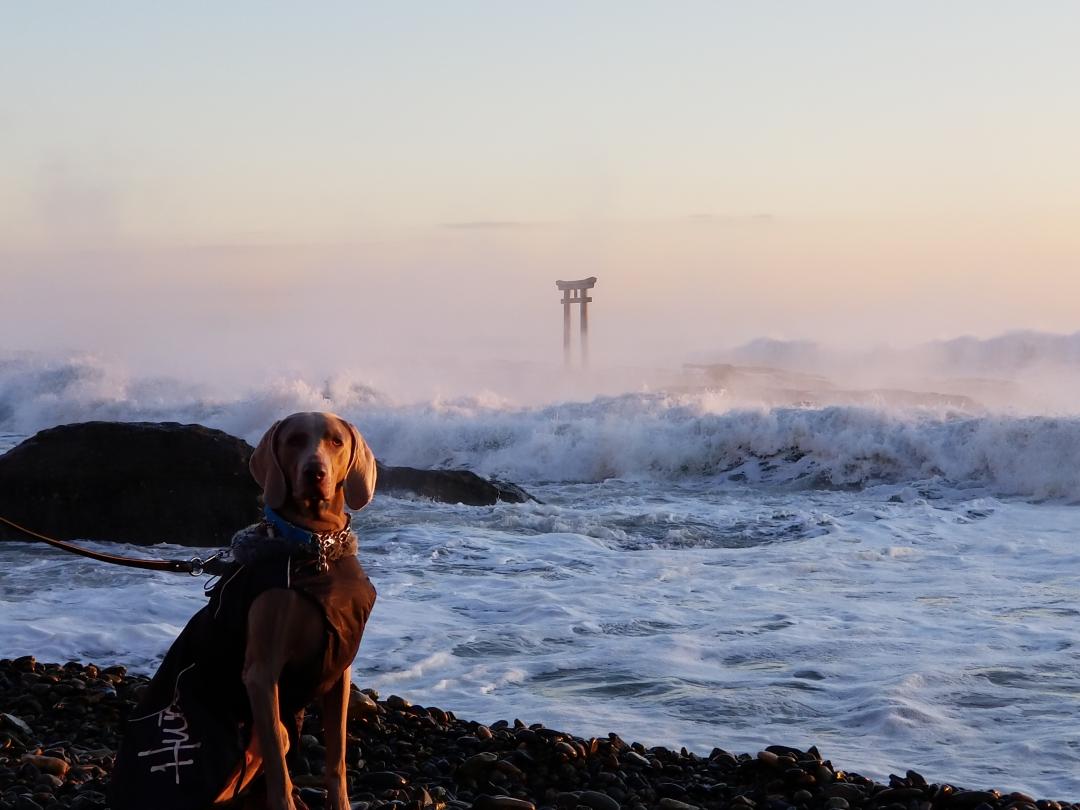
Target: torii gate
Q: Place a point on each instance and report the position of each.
(574, 293)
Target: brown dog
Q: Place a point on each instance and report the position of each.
(310, 466)
(281, 629)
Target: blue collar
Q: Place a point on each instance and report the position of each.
(293, 533)
(323, 545)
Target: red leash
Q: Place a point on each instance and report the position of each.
(194, 566)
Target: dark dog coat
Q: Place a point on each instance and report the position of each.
(188, 735)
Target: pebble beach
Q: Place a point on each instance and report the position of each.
(60, 727)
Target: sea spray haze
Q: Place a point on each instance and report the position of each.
(707, 565)
(364, 207)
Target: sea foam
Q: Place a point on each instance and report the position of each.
(643, 435)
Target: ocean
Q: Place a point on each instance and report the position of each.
(894, 585)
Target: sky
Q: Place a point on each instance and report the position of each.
(223, 186)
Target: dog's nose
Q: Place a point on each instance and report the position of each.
(315, 472)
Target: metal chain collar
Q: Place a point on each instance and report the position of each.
(320, 543)
(325, 542)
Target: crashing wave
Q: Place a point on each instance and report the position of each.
(658, 436)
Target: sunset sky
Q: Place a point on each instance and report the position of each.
(182, 181)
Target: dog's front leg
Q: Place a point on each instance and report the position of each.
(335, 705)
(273, 739)
(279, 631)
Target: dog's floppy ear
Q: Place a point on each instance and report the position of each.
(360, 480)
(266, 469)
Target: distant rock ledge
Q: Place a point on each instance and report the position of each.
(450, 486)
(163, 482)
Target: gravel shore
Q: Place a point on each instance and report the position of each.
(59, 728)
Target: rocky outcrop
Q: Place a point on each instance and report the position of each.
(151, 482)
(450, 486)
(134, 482)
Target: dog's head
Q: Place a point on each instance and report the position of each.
(314, 457)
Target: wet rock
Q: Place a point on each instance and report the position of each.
(49, 765)
(971, 798)
(844, 790)
(16, 724)
(567, 750)
(668, 803)
(47, 780)
(361, 706)
(597, 800)
(477, 764)
(88, 800)
(450, 486)
(502, 803)
(900, 795)
(130, 482)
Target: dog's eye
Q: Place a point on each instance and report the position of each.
(338, 441)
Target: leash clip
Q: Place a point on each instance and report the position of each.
(198, 566)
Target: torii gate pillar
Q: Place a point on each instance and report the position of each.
(574, 292)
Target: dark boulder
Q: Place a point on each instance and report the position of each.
(150, 482)
(134, 482)
(450, 486)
